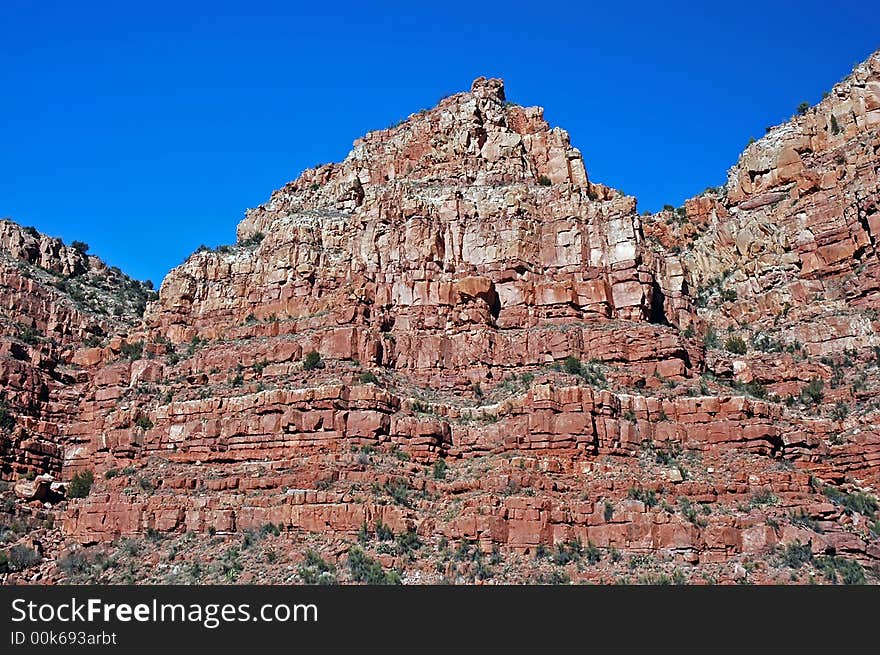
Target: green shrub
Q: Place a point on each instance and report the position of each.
(689, 511)
(382, 531)
(835, 126)
(752, 388)
(840, 411)
(133, 351)
(850, 571)
(647, 496)
(399, 492)
(711, 338)
(803, 108)
(609, 511)
(804, 520)
(144, 422)
(270, 528)
(728, 295)
(74, 563)
(795, 555)
(368, 377)
(591, 372)
(592, 554)
(21, 557)
(80, 246)
(7, 420)
(254, 239)
(568, 551)
(81, 484)
(543, 180)
(312, 361)
(145, 484)
(766, 343)
(812, 393)
(365, 569)
(855, 502)
(408, 543)
(29, 335)
(763, 498)
(400, 454)
(572, 365)
(735, 344)
(440, 467)
(667, 453)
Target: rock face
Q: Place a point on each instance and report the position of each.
(53, 299)
(454, 334)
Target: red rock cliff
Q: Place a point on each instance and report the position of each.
(456, 334)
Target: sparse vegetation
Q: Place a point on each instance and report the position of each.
(591, 372)
(795, 555)
(736, 345)
(81, 484)
(812, 393)
(399, 492)
(840, 410)
(835, 126)
(365, 569)
(22, 557)
(567, 552)
(647, 496)
(314, 570)
(763, 498)
(29, 335)
(80, 246)
(252, 240)
(854, 502)
(840, 569)
(689, 511)
(133, 350)
(609, 511)
(143, 422)
(312, 361)
(753, 388)
(711, 339)
(7, 420)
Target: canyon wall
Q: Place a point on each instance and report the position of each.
(458, 297)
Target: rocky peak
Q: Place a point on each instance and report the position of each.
(27, 245)
(488, 88)
(468, 139)
(474, 186)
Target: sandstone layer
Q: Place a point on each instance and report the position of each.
(457, 354)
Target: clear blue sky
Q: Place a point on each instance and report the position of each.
(147, 128)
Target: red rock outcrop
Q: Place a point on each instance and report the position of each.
(455, 333)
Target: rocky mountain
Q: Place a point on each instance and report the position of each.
(454, 357)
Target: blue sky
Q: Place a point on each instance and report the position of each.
(146, 129)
